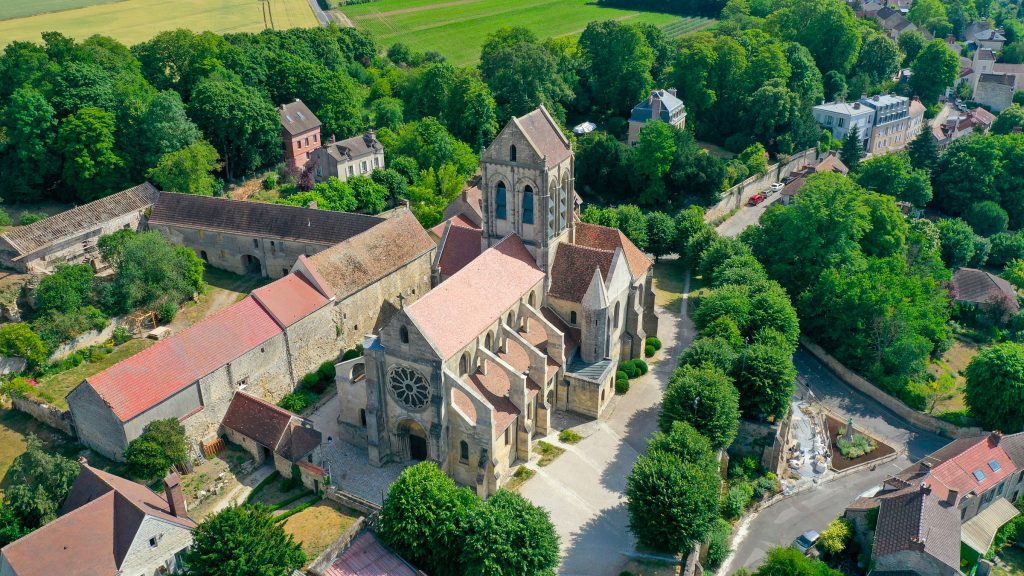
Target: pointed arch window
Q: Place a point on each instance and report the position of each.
(500, 202)
(403, 335)
(463, 451)
(528, 205)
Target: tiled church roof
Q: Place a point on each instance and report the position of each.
(604, 238)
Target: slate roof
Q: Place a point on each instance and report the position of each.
(290, 299)
(138, 383)
(573, 269)
(366, 556)
(459, 247)
(296, 118)
(605, 238)
(542, 130)
(26, 239)
(259, 219)
(362, 260)
(95, 529)
(1004, 79)
(459, 309)
(644, 111)
(355, 147)
(973, 285)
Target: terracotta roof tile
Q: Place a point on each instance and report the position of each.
(257, 419)
(290, 298)
(259, 219)
(368, 557)
(605, 238)
(364, 259)
(298, 441)
(573, 270)
(918, 520)
(494, 387)
(546, 136)
(138, 383)
(957, 472)
(461, 245)
(464, 403)
(458, 310)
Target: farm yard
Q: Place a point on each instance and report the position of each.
(457, 29)
(133, 21)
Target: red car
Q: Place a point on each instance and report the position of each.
(755, 200)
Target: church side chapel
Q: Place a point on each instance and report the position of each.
(536, 321)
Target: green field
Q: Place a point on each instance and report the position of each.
(132, 21)
(458, 28)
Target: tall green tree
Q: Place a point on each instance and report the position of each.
(509, 536)
(828, 28)
(69, 288)
(956, 238)
(239, 121)
(661, 234)
(188, 170)
(242, 541)
(852, 150)
(27, 161)
(995, 387)
(1008, 120)
(92, 169)
(39, 483)
(935, 69)
(617, 65)
(522, 74)
(684, 441)
(163, 128)
(895, 175)
(705, 398)
(149, 271)
(879, 57)
(923, 151)
(930, 14)
(766, 378)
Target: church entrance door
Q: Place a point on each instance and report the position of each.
(417, 447)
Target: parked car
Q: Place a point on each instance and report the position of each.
(776, 187)
(755, 199)
(805, 542)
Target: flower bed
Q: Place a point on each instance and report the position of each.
(840, 462)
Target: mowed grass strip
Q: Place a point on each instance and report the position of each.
(134, 21)
(457, 29)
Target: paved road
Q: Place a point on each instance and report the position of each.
(321, 16)
(584, 489)
(813, 510)
(747, 216)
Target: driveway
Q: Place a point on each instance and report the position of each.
(584, 489)
(780, 524)
(747, 216)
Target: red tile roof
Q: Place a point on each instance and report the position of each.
(573, 270)
(290, 299)
(978, 286)
(605, 238)
(494, 387)
(368, 557)
(957, 472)
(458, 310)
(256, 419)
(464, 403)
(460, 247)
(142, 381)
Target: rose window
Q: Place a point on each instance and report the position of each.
(409, 387)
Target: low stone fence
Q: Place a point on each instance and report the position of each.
(352, 501)
(919, 419)
(736, 196)
(12, 365)
(327, 557)
(86, 339)
(50, 415)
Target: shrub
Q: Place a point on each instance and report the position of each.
(649, 351)
(640, 365)
(31, 218)
(327, 371)
(18, 339)
(621, 375)
(353, 353)
(833, 539)
(270, 182)
(859, 446)
(17, 385)
(310, 381)
(718, 543)
(736, 500)
(570, 436)
(653, 342)
(5, 218)
(621, 386)
(629, 368)
(121, 335)
(166, 311)
(297, 401)
(766, 485)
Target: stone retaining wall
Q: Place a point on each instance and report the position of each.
(327, 557)
(86, 339)
(919, 419)
(738, 195)
(51, 416)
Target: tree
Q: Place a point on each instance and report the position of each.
(684, 441)
(936, 390)
(934, 69)
(987, 218)
(957, 242)
(652, 160)
(930, 14)
(26, 159)
(617, 64)
(161, 446)
(895, 175)
(852, 150)
(826, 27)
(39, 483)
(188, 170)
(241, 541)
(923, 151)
(1013, 272)
(716, 352)
(239, 121)
(1009, 119)
(835, 86)
(509, 536)
(765, 378)
(911, 43)
(879, 58)
(424, 518)
(522, 73)
(755, 158)
(18, 340)
(966, 173)
(471, 112)
(86, 142)
(66, 290)
(704, 397)
(387, 113)
(150, 271)
(789, 561)
(633, 223)
(163, 128)
(371, 197)
(10, 526)
(834, 538)
(995, 387)
(672, 504)
(717, 252)
(661, 234)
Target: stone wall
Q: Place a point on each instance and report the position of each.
(916, 418)
(142, 558)
(78, 248)
(763, 441)
(96, 424)
(738, 195)
(327, 557)
(12, 365)
(50, 415)
(86, 339)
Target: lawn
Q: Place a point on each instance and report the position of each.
(223, 289)
(58, 385)
(457, 29)
(133, 21)
(318, 526)
(1012, 562)
(669, 277)
(953, 362)
(15, 427)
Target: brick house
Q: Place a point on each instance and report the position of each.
(300, 133)
(959, 494)
(108, 526)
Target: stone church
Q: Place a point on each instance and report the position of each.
(536, 319)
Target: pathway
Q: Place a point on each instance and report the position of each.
(584, 489)
(239, 493)
(780, 524)
(747, 216)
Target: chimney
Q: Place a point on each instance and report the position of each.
(655, 105)
(856, 105)
(333, 140)
(995, 437)
(312, 204)
(925, 488)
(951, 498)
(672, 91)
(175, 497)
